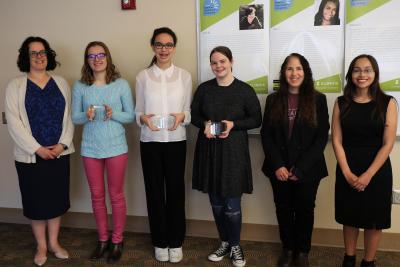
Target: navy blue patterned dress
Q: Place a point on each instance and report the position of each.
(44, 185)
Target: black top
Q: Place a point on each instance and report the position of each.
(304, 151)
(222, 166)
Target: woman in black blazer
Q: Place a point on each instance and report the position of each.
(294, 135)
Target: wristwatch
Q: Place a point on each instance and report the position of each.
(64, 146)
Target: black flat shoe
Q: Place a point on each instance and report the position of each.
(98, 252)
(301, 260)
(115, 252)
(285, 259)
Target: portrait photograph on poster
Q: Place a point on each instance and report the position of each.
(251, 17)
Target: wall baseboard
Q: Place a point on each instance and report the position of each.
(202, 228)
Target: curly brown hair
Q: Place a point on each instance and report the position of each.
(23, 61)
(87, 73)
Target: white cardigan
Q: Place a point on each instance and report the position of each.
(25, 144)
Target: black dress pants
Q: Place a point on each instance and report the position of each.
(295, 203)
(164, 173)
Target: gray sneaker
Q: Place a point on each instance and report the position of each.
(237, 256)
(220, 253)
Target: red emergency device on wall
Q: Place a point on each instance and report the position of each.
(128, 4)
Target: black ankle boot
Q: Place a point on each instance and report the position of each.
(115, 252)
(101, 248)
(349, 261)
(365, 263)
(286, 258)
(301, 260)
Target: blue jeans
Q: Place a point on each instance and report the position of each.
(228, 218)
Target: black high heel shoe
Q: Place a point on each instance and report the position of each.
(101, 248)
(115, 252)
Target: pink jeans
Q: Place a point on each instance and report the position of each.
(115, 167)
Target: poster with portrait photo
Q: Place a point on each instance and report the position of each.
(219, 24)
(251, 17)
(293, 31)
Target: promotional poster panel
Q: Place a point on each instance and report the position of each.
(242, 26)
(373, 27)
(314, 29)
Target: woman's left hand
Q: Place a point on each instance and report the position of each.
(292, 176)
(363, 181)
(229, 126)
(108, 111)
(56, 150)
(179, 117)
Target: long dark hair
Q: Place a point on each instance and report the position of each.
(153, 39)
(307, 92)
(374, 90)
(87, 73)
(23, 61)
(320, 14)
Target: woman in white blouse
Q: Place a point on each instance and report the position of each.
(163, 97)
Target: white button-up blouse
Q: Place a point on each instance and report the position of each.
(162, 92)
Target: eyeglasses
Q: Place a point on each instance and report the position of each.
(40, 53)
(357, 71)
(167, 46)
(99, 56)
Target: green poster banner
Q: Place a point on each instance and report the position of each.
(223, 9)
(358, 8)
(332, 84)
(281, 13)
(391, 86)
(260, 85)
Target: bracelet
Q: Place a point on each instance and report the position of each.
(65, 147)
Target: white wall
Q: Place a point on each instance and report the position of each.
(69, 26)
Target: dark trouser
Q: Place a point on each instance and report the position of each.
(164, 172)
(228, 218)
(295, 204)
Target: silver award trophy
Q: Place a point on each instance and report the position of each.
(216, 128)
(163, 121)
(99, 113)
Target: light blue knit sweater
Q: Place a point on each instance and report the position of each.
(103, 139)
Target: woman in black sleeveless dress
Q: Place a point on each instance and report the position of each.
(364, 131)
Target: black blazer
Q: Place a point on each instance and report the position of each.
(304, 151)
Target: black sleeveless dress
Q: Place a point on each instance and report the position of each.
(362, 137)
